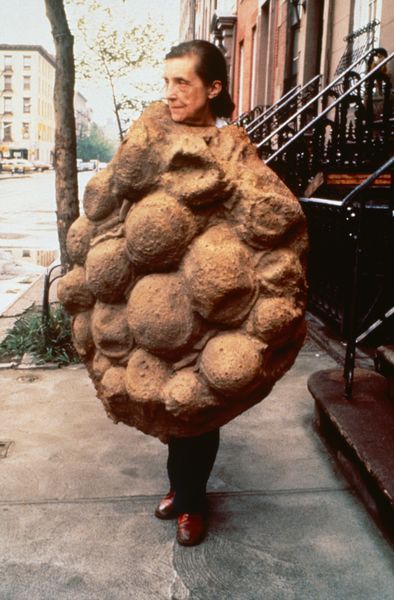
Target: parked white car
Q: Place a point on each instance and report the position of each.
(17, 165)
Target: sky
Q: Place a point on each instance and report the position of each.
(25, 22)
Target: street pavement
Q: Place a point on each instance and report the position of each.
(77, 497)
(28, 231)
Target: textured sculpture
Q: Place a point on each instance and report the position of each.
(188, 288)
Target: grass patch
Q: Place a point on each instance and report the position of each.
(52, 343)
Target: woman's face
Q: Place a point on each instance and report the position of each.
(186, 94)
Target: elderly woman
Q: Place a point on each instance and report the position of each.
(188, 283)
(195, 77)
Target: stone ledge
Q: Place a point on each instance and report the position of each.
(360, 434)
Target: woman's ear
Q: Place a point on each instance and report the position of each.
(214, 89)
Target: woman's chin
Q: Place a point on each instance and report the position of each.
(178, 116)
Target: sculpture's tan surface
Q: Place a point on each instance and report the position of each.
(188, 286)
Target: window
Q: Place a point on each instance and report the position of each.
(366, 11)
(27, 62)
(7, 104)
(7, 62)
(26, 82)
(293, 56)
(253, 68)
(241, 78)
(8, 83)
(25, 131)
(7, 132)
(26, 105)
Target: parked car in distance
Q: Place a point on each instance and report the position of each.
(17, 165)
(39, 165)
(85, 166)
(102, 165)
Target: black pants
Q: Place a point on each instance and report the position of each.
(190, 461)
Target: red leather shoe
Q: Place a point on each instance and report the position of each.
(191, 529)
(166, 509)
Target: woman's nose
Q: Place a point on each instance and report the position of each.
(170, 91)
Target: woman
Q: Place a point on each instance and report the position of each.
(195, 77)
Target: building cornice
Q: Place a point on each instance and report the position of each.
(29, 48)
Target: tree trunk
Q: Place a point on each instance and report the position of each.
(65, 137)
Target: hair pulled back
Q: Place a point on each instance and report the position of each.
(211, 66)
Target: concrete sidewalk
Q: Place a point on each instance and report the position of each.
(77, 498)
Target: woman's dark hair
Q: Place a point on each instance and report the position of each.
(211, 66)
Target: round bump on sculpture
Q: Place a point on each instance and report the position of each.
(186, 393)
(281, 358)
(108, 270)
(135, 165)
(78, 239)
(232, 362)
(264, 218)
(280, 273)
(219, 274)
(111, 333)
(193, 174)
(73, 292)
(298, 243)
(145, 377)
(160, 315)
(100, 364)
(82, 334)
(158, 231)
(114, 383)
(274, 320)
(98, 202)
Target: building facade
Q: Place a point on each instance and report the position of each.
(278, 44)
(27, 126)
(284, 43)
(212, 20)
(83, 115)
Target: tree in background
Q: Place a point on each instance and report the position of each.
(115, 54)
(65, 139)
(95, 145)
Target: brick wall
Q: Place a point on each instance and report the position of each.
(247, 12)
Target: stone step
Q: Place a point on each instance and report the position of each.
(384, 364)
(360, 434)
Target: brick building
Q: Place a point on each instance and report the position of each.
(27, 126)
(276, 44)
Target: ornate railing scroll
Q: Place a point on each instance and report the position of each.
(352, 132)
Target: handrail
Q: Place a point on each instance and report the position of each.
(370, 179)
(352, 339)
(268, 109)
(325, 111)
(355, 191)
(274, 107)
(297, 91)
(313, 100)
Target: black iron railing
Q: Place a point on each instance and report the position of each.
(264, 125)
(353, 129)
(49, 279)
(247, 117)
(352, 132)
(260, 111)
(354, 335)
(252, 122)
(351, 271)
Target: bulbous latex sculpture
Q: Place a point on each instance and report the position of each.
(188, 285)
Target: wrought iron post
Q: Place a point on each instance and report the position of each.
(45, 298)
